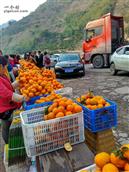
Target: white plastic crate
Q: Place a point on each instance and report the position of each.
(41, 137)
(91, 168)
(66, 92)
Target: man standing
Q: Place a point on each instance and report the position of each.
(39, 59)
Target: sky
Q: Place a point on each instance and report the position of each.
(17, 9)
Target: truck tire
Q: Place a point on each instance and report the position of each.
(113, 69)
(98, 61)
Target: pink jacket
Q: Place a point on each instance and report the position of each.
(6, 92)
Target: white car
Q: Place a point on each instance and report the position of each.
(54, 59)
(120, 60)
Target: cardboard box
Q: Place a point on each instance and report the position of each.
(100, 141)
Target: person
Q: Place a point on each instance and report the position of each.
(39, 59)
(47, 61)
(9, 100)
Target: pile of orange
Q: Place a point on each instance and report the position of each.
(62, 107)
(92, 102)
(115, 162)
(35, 81)
(53, 96)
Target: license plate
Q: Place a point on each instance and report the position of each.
(68, 70)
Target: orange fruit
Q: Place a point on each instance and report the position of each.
(100, 106)
(110, 168)
(77, 108)
(70, 108)
(55, 111)
(59, 114)
(50, 115)
(107, 104)
(68, 102)
(62, 103)
(93, 107)
(54, 105)
(31, 94)
(50, 108)
(126, 167)
(87, 101)
(101, 159)
(68, 113)
(61, 109)
(117, 161)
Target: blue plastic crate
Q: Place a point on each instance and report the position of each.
(31, 103)
(100, 119)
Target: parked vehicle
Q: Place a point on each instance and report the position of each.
(102, 37)
(120, 60)
(54, 59)
(69, 64)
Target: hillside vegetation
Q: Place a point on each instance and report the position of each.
(58, 25)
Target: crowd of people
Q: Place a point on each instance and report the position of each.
(10, 99)
(39, 58)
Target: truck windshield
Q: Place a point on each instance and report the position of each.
(90, 33)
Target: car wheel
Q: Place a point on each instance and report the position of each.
(113, 69)
(83, 73)
(98, 61)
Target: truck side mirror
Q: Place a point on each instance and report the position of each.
(88, 39)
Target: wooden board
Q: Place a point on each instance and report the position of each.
(62, 161)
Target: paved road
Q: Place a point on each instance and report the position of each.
(115, 88)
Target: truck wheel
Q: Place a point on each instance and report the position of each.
(98, 61)
(113, 69)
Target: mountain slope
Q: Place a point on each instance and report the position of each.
(58, 24)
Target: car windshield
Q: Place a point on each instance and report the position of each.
(69, 57)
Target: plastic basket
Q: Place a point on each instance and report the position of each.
(100, 119)
(33, 106)
(66, 92)
(91, 168)
(41, 137)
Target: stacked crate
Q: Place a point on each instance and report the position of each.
(100, 141)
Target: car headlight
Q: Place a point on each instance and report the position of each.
(79, 65)
(58, 67)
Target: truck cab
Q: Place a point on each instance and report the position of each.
(102, 37)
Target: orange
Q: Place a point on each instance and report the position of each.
(62, 103)
(50, 108)
(68, 102)
(87, 101)
(93, 107)
(31, 94)
(126, 167)
(101, 159)
(55, 111)
(77, 109)
(68, 113)
(70, 108)
(100, 106)
(59, 114)
(64, 99)
(117, 161)
(39, 88)
(51, 115)
(110, 168)
(107, 104)
(61, 109)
